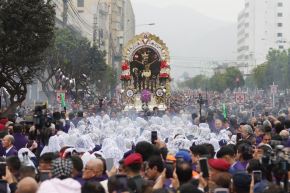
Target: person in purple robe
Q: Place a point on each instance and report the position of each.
(8, 145)
(20, 139)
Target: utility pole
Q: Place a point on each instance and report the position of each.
(64, 13)
(95, 30)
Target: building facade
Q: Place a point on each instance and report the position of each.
(262, 25)
(107, 24)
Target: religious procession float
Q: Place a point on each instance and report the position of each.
(145, 73)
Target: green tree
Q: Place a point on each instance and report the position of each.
(233, 78)
(275, 69)
(26, 30)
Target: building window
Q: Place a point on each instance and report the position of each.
(280, 14)
(279, 35)
(280, 4)
(80, 3)
(280, 24)
(281, 47)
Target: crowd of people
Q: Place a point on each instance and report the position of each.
(158, 152)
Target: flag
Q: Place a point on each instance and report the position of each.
(62, 98)
(224, 110)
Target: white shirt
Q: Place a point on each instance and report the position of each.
(7, 150)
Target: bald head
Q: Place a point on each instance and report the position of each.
(96, 164)
(27, 185)
(93, 168)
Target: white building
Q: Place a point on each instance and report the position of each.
(262, 25)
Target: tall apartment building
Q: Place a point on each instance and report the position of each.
(108, 24)
(113, 25)
(262, 25)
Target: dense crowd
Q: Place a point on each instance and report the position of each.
(155, 152)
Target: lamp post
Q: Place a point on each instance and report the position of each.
(200, 101)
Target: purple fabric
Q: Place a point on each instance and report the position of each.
(11, 152)
(286, 142)
(80, 179)
(20, 141)
(240, 166)
(259, 139)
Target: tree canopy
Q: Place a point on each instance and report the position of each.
(26, 30)
(220, 81)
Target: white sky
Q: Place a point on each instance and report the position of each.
(226, 10)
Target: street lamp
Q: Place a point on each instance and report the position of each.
(145, 24)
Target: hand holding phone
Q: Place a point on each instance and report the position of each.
(257, 176)
(169, 169)
(204, 167)
(153, 136)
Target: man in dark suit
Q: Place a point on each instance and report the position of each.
(7, 144)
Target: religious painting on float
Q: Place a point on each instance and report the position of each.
(146, 71)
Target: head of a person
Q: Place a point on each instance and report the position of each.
(241, 183)
(244, 151)
(217, 166)
(211, 150)
(18, 128)
(183, 155)
(184, 172)
(144, 148)
(77, 166)
(8, 141)
(259, 130)
(13, 164)
(154, 167)
(61, 168)
(27, 185)
(92, 187)
(198, 151)
(222, 180)
(226, 153)
(287, 124)
(118, 183)
(45, 161)
(284, 134)
(246, 131)
(266, 138)
(27, 171)
(218, 124)
(80, 114)
(133, 164)
(93, 168)
(189, 188)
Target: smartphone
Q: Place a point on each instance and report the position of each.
(2, 168)
(253, 113)
(3, 186)
(221, 190)
(257, 176)
(266, 114)
(43, 176)
(169, 169)
(239, 136)
(204, 167)
(109, 163)
(153, 136)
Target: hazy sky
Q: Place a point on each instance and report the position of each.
(209, 26)
(226, 10)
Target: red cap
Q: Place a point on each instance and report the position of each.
(134, 158)
(4, 121)
(219, 164)
(2, 127)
